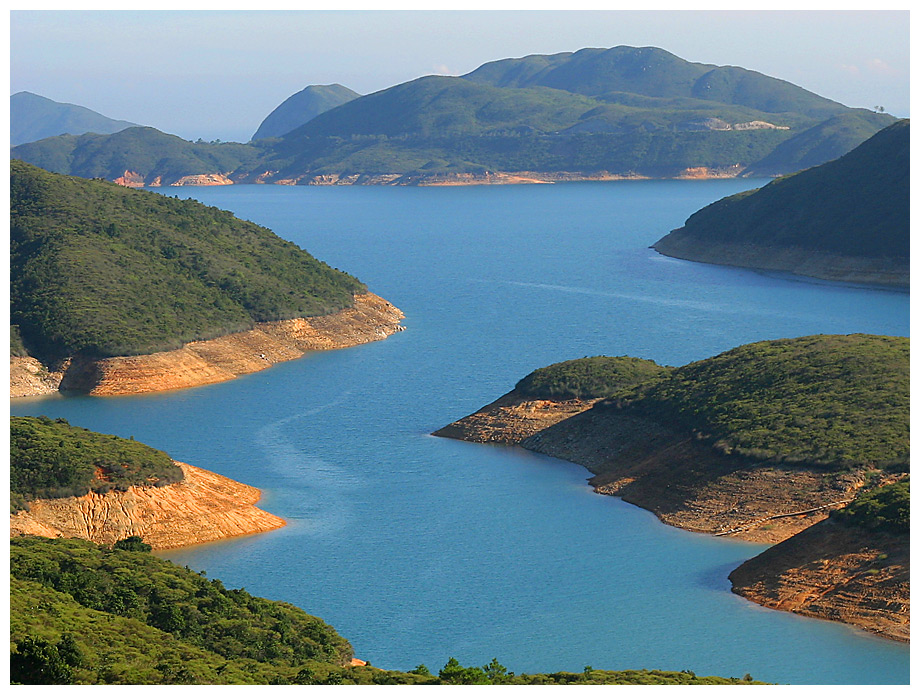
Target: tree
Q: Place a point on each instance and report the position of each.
(495, 672)
(132, 543)
(38, 662)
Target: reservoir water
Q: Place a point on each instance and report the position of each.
(418, 548)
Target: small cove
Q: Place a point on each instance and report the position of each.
(417, 548)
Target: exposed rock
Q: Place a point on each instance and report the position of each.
(203, 507)
(685, 483)
(203, 180)
(29, 377)
(511, 419)
(835, 572)
(711, 172)
(211, 361)
(130, 179)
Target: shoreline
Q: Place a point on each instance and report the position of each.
(688, 486)
(210, 361)
(135, 180)
(201, 508)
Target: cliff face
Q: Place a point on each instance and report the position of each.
(211, 361)
(835, 572)
(203, 507)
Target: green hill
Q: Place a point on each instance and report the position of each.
(101, 270)
(145, 151)
(50, 459)
(855, 207)
(33, 117)
(834, 401)
(626, 111)
(301, 107)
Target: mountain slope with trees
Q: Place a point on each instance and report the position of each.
(846, 219)
(101, 270)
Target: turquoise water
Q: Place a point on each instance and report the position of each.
(418, 548)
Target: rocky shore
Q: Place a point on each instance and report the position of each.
(210, 361)
(689, 485)
(203, 507)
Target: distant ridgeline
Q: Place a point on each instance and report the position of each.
(100, 270)
(302, 107)
(597, 112)
(33, 117)
(87, 614)
(848, 219)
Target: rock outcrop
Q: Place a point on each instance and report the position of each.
(835, 572)
(211, 361)
(29, 377)
(203, 507)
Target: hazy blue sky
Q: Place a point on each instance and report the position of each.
(218, 74)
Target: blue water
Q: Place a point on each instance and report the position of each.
(418, 548)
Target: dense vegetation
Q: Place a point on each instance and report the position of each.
(837, 401)
(858, 205)
(86, 614)
(33, 117)
(884, 508)
(51, 458)
(622, 110)
(102, 270)
(588, 377)
(300, 108)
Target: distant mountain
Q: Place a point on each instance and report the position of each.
(300, 108)
(848, 219)
(596, 113)
(653, 72)
(33, 117)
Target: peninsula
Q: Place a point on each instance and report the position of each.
(119, 291)
(760, 443)
(69, 482)
(846, 220)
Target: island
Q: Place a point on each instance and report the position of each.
(846, 220)
(761, 443)
(117, 291)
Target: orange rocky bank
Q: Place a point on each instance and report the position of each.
(202, 507)
(210, 361)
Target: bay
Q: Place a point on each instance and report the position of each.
(418, 548)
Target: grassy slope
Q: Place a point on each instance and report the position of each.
(103, 270)
(857, 205)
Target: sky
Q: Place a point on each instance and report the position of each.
(217, 75)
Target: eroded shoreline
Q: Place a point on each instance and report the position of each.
(211, 361)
